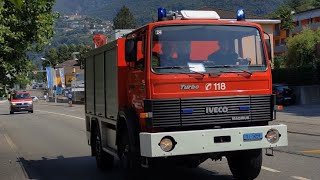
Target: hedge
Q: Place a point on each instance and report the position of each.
(296, 76)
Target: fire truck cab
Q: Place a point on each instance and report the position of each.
(178, 91)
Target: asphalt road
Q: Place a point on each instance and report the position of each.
(51, 144)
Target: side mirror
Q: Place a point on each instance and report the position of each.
(131, 50)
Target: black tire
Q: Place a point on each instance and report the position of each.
(11, 112)
(104, 160)
(31, 111)
(245, 165)
(129, 160)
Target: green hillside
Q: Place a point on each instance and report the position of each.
(146, 10)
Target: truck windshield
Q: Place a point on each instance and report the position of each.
(207, 49)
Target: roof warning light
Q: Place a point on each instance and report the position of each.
(241, 16)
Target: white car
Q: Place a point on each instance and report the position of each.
(35, 98)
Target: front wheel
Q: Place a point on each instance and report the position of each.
(245, 165)
(128, 158)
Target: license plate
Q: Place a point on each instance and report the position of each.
(287, 98)
(22, 108)
(252, 137)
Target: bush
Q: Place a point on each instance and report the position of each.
(296, 76)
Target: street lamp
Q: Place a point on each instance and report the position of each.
(44, 59)
(55, 91)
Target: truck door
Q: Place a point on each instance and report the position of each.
(136, 76)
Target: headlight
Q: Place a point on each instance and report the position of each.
(167, 144)
(13, 104)
(273, 136)
(29, 102)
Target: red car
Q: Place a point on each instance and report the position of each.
(21, 101)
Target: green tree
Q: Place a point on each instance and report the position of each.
(17, 3)
(64, 53)
(51, 56)
(124, 19)
(83, 50)
(284, 13)
(302, 5)
(302, 49)
(24, 26)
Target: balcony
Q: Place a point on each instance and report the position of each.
(297, 29)
(280, 48)
(313, 26)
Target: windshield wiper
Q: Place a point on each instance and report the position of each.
(228, 66)
(179, 67)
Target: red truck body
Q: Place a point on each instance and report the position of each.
(141, 111)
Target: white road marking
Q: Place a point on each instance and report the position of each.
(300, 178)
(269, 169)
(61, 114)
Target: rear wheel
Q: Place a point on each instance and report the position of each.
(104, 160)
(245, 165)
(31, 111)
(11, 112)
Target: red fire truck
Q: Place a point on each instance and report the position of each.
(178, 91)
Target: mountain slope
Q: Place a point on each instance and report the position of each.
(146, 10)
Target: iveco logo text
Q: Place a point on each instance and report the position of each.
(216, 110)
(189, 87)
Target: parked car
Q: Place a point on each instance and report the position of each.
(20, 101)
(35, 98)
(284, 94)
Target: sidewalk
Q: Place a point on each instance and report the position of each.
(63, 100)
(304, 119)
(3, 101)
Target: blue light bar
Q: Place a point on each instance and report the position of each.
(162, 13)
(241, 16)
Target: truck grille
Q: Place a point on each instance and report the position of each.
(191, 112)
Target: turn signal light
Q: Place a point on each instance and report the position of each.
(280, 107)
(146, 115)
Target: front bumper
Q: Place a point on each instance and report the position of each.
(202, 141)
(21, 108)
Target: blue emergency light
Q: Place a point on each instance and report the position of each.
(162, 13)
(241, 16)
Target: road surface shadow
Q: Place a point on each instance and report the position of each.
(84, 168)
(303, 110)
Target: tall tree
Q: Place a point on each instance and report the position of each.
(124, 19)
(24, 26)
(284, 13)
(52, 57)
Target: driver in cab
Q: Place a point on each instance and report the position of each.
(227, 55)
